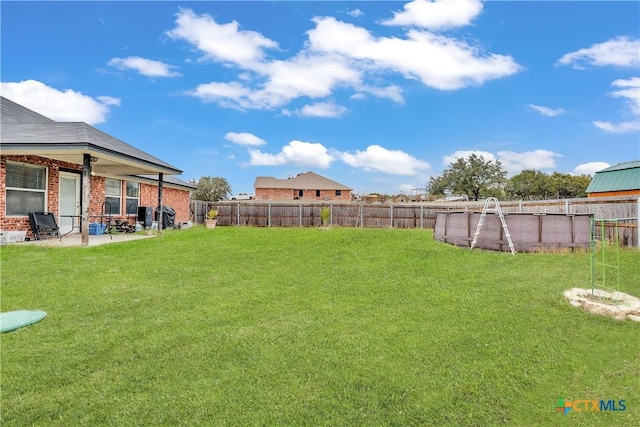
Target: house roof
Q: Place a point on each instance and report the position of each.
(623, 176)
(303, 181)
(16, 113)
(169, 179)
(26, 132)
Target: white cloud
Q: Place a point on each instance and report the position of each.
(337, 55)
(65, 106)
(590, 168)
(537, 159)
(437, 61)
(314, 76)
(377, 158)
(630, 92)
(232, 95)
(356, 13)
(374, 158)
(299, 153)
(436, 14)
(463, 154)
(391, 92)
(146, 67)
(109, 100)
(221, 42)
(244, 138)
(322, 109)
(620, 52)
(622, 127)
(546, 111)
(511, 161)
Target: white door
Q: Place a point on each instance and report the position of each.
(69, 201)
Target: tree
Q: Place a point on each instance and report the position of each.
(568, 186)
(471, 176)
(211, 189)
(530, 184)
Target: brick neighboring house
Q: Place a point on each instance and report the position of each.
(73, 169)
(622, 179)
(305, 186)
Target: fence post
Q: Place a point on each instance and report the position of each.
(269, 215)
(300, 215)
(391, 216)
(421, 216)
(331, 215)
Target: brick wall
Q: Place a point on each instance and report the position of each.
(13, 223)
(177, 199)
(310, 195)
(98, 191)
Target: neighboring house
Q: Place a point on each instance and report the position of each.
(622, 179)
(305, 186)
(73, 169)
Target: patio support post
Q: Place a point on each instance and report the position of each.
(86, 198)
(160, 185)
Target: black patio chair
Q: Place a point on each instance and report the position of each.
(44, 225)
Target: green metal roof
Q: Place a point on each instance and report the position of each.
(623, 176)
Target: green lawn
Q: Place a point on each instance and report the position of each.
(258, 326)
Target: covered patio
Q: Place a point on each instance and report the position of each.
(75, 154)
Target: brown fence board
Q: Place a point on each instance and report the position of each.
(409, 215)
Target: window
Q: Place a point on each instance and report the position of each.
(317, 193)
(338, 192)
(300, 193)
(26, 188)
(113, 196)
(133, 198)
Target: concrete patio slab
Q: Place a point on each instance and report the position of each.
(75, 239)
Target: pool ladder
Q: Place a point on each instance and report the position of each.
(497, 209)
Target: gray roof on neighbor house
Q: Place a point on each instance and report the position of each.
(303, 181)
(32, 132)
(620, 177)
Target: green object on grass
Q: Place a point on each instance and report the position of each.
(13, 320)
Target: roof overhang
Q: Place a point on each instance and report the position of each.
(70, 141)
(168, 181)
(103, 161)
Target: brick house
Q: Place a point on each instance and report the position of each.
(622, 179)
(78, 173)
(304, 186)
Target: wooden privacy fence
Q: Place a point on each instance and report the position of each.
(407, 215)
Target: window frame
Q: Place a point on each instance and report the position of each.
(43, 191)
(127, 197)
(111, 210)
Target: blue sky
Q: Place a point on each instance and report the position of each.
(378, 96)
